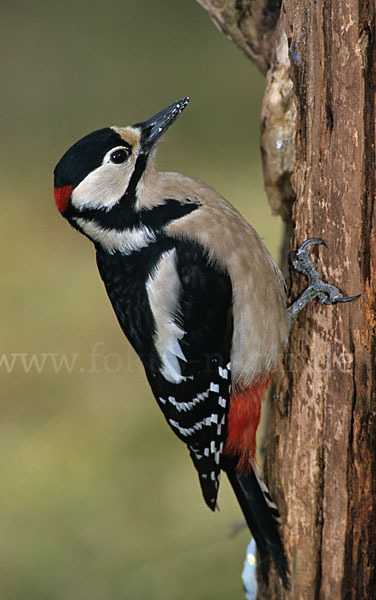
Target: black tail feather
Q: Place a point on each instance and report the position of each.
(262, 519)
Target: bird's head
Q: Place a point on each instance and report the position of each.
(103, 169)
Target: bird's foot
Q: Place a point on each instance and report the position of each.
(326, 293)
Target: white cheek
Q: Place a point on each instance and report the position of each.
(103, 187)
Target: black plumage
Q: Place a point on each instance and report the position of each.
(205, 316)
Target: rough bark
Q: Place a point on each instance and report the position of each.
(250, 24)
(278, 121)
(323, 434)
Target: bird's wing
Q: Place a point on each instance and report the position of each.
(190, 298)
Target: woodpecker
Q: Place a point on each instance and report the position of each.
(199, 298)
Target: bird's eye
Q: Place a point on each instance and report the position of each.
(119, 156)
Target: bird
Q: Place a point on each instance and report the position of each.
(198, 296)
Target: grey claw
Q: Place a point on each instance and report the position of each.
(348, 299)
(300, 258)
(326, 293)
(310, 242)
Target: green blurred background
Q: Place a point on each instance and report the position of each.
(98, 499)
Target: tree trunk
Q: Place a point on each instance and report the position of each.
(323, 433)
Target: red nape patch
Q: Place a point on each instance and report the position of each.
(62, 195)
(243, 420)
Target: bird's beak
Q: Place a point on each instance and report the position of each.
(154, 128)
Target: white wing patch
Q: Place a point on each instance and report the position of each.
(163, 289)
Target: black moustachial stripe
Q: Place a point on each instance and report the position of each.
(123, 216)
(158, 217)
